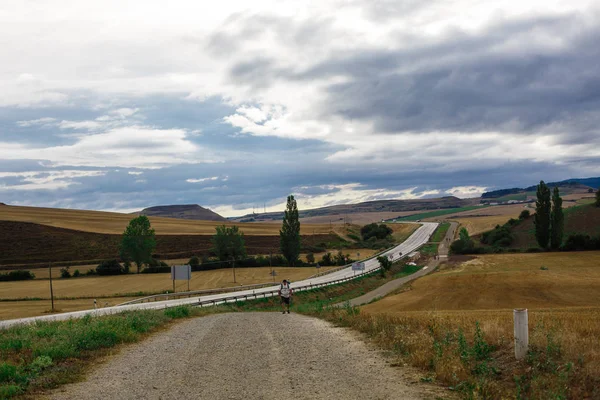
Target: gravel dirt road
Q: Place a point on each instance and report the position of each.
(249, 356)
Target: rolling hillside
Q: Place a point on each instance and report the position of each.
(115, 223)
(29, 243)
(583, 219)
(568, 186)
(379, 206)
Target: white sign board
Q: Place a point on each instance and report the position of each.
(358, 266)
(181, 272)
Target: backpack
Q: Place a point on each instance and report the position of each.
(285, 290)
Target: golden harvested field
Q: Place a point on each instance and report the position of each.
(477, 225)
(355, 218)
(98, 286)
(115, 223)
(564, 321)
(32, 308)
(484, 219)
(504, 281)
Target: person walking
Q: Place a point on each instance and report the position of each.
(285, 292)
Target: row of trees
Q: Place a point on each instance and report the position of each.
(549, 219)
(139, 240)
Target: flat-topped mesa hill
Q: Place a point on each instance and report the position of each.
(183, 211)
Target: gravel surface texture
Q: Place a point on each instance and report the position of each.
(249, 356)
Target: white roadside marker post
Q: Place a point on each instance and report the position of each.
(521, 332)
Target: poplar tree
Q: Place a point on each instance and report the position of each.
(557, 223)
(290, 232)
(542, 215)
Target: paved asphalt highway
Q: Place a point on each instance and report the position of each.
(417, 239)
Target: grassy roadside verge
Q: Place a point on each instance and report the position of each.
(471, 353)
(329, 295)
(440, 232)
(48, 354)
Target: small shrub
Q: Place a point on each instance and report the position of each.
(544, 268)
(65, 273)
(194, 261)
(524, 214)
(91, 272)
(19, 275)
(310, 257)
(40, 363)
(327, 260)
(8, 391)
(76, 273)
(110, 267)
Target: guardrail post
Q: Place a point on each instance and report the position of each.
(521, 321)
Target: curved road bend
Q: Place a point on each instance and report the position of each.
(419, 237)
(249, 356)
(391, 286)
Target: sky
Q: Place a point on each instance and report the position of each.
(233, 105)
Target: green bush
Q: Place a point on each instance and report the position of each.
(462, 247)
(380, 231)
(524, 214)
(110, 267)
(19, 275)
(194, 261)
(65, 273)
(500, 236)
(76, 273)
(579, 241)
(327, 260)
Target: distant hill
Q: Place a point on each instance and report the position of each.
(583, 219)
(569, 185)
(369, 206)
(184, 211)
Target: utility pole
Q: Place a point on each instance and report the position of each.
(271, 265)
(51, 291)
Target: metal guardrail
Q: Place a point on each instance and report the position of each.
(272, 293)
(173, 296)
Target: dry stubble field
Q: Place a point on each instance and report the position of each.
(564, 319)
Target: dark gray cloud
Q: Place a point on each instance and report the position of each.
(497, 80)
